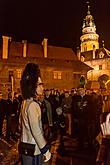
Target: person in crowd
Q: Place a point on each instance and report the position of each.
(14, 116)
(50, 105)
(15, 104)
(103, 156)
(57, 98)
(75, 96)
(62, 95)
(66, 107)
(20, 99)
(54, 103)
(31, 124)
(82, 114)
(2, 112)
(94, 118)
(46, 116)
(8, 117)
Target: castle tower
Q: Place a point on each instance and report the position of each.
(89, 38)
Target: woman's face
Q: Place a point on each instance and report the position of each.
(40, 87)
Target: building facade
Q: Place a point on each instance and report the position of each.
(60, 67)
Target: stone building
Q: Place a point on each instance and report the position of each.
(90, 53)
(60, 67)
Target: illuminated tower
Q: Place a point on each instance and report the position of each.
(89, 38)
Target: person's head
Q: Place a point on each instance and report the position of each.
(66, 94)
(51, 91)
(81, 91)
(31, 81)
(72, 92)
(47, 92)
(57, 93)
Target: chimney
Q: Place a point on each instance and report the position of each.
(44, 43)
(94, 51)
(24, 47)
(5, 46)
(78, 53)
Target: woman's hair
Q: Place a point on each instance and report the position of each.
(29, 80)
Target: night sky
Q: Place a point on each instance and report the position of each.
(58, 20)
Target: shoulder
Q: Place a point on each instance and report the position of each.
(34, 106)
(34, 103)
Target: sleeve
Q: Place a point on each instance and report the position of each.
(34, 116)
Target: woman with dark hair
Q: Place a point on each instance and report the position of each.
(31, 125)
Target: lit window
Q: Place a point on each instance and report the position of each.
(57, 75)
(100, 67)
(101, 55)
(19, 71)
(85, 47)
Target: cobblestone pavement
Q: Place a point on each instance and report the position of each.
(70, 156)
(8, 153)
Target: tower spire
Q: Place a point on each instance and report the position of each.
(89, 36)
(103, 43)
(88, 12)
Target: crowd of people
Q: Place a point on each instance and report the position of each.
(9, 112)
(74, 113)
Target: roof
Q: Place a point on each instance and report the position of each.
(36, 50)
(15, 49)
(76, 66)
(58, 57)
(99, 53)
(58, 64)
(61, 53)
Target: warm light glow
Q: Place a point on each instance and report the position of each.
(89, 40)
(19, 72)
(57, 75)
(107, 82)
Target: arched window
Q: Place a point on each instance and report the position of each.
(85, 47)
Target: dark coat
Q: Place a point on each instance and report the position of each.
(104, 153)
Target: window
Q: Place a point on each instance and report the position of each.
(101, 55)
(85, 48)
(57, 75)
(100, 67)
(19, 71)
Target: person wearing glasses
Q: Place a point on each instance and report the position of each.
(31, 125)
